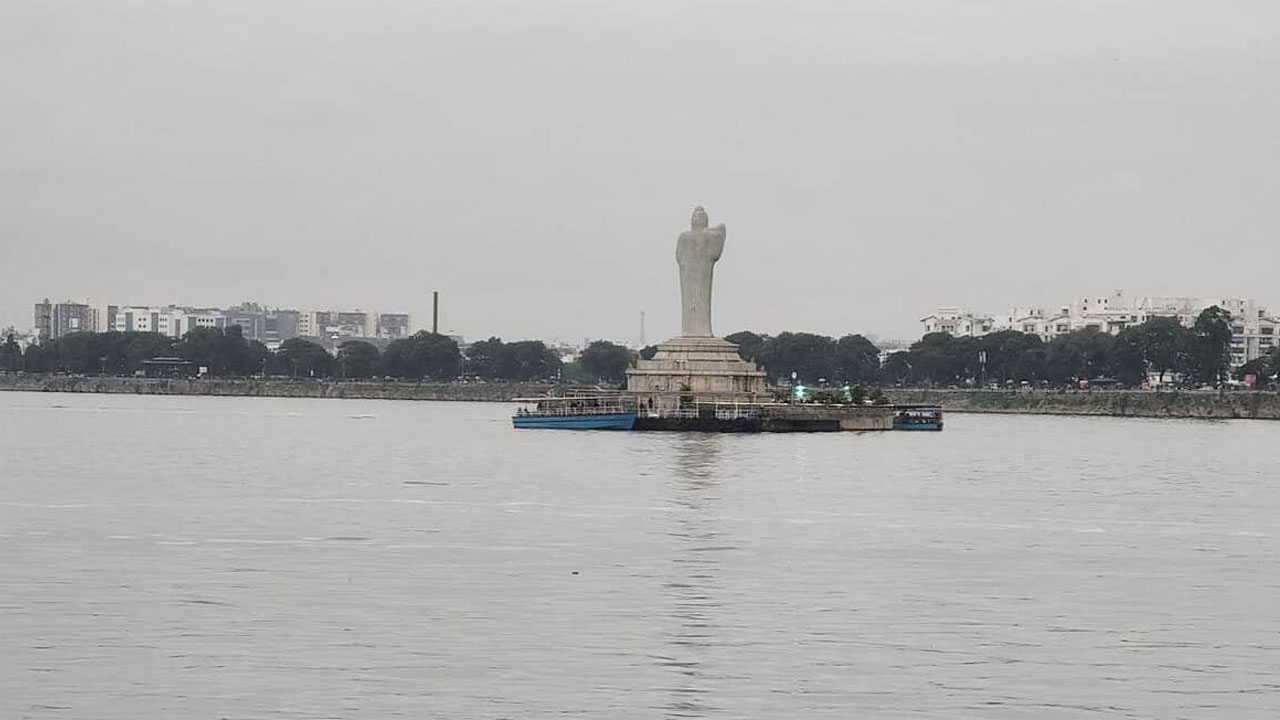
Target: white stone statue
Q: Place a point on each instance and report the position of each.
(697, 252)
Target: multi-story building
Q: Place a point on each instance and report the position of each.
(54, 320)
(1254, 331)
(393, 326)
(256, 322)
(280, 325)
(252, 319)
(958, 322)
(342, 324)
(169, 320)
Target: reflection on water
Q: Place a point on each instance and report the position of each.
(692, 590)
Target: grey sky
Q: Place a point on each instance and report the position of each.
(536, 160)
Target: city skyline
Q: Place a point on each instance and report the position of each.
(923, 324)
(536, 164)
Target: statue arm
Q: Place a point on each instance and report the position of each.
(716, 235)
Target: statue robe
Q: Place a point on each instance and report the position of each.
(697, 252)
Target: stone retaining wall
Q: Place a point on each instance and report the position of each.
(475, 392)
(1183, 404)
(1192, 404)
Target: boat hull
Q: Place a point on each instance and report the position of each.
(918, 426)
(604, 421)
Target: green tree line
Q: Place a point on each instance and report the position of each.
(226, 353)
(1160, 347)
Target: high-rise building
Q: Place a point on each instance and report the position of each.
(393, 326)
(252, 319)
(44, 320)
(280, 325)
(341, 324)
(55, 320)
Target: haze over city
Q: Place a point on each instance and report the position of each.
(535, 162)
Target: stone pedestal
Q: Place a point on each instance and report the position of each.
(689, 370)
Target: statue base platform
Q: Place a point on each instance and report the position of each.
(695, 369)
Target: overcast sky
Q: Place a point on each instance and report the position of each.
(534, 161)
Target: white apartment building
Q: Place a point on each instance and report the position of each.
(169, 320)
(1254, 330)
(958, 322)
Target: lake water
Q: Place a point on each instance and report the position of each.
(238, 558)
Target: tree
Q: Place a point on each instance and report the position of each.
(649, 352)
(1264, 369)
(482, 358)
(1160, 345)
(573, 373)
(1080, 355)
(897, 368)
(1211, 346)
(257, 358)
(125, 352)
(1167, 343)
(1012, 356)
(857, 360)
(10, 355)
(80, 353)
(225, 352)
(528, 360)
(1129, 362)
(37, 359)
(302, 359)
(749, 344)
(357, 359)
(857, 395)
(1260, 368)
(423, 355)
(606, 361)
(811, 357)
(940, 359)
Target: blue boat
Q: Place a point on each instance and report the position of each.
(574, 413)
(917, 417)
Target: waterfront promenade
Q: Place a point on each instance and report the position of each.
(1124, 403)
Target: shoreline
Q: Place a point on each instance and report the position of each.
(281, 388)
(1184, 404)
(1106, 403)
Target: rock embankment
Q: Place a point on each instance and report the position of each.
(1191, 404)
(366, 390)
(1116, 403)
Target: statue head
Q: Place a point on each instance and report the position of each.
(700, 220)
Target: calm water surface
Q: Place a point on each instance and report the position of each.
(238, 558)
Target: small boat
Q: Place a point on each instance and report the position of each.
(917, 417)
(602, 412)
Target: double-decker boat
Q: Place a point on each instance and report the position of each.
(597, 412)
(917, 417)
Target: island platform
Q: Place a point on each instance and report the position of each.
(625, 411)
